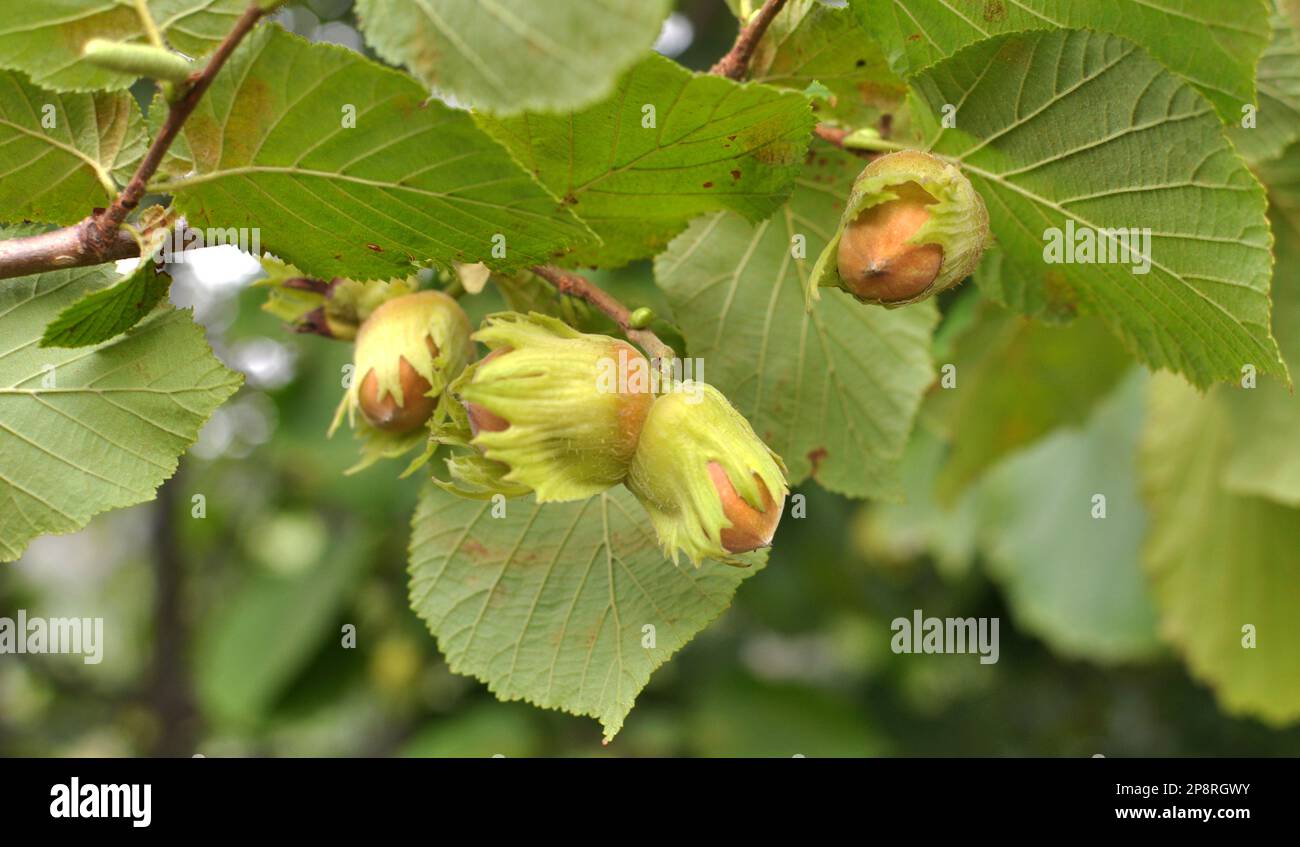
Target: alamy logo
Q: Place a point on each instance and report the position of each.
(180, 239)
(92, 800)
(1084, 245)
(946, 635)
(53, 635)
(624, 375)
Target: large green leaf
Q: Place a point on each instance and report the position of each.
(835, 390)
(1072, 578)
(44, 39)
(414, 181)
(668, 146)
(1220, 562)
(86, 430)
(1057, 127)
(550, 604)
(1213, 50)
(508, 56)
(59, 153)
(1017, 380)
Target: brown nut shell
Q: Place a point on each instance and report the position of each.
(875, 260)
(385, 413)
(751, 529)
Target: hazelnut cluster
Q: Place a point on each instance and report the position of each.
(546, 413)
(541, 409)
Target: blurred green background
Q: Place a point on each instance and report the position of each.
(225, 633)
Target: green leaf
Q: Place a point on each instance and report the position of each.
(1057, 127)
(550, 604)
(1215, 51)
(508, 56)
(1219, 561)
(110, 311)
(1073, 579)
(668, 146)
(413, 181)
(1264, 458)
(267, 633)
(809, 42)
(1017, 380)
(93, 429)
(833, 391)
(1277, 122)
(59, 153)
(44, 39)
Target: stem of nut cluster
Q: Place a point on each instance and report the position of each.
(735, 64)
(576, 286)
(836, 136)
(832, 134)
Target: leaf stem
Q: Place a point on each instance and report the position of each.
(150, 26)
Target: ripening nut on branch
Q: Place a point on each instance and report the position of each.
(408, 351)
(537, 405)
(912, 227)
(711, 486)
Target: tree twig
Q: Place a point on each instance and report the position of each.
(735, 64)
(177, 113)
(99, 238)
(576, 286)
(61, 248)
(171, 691)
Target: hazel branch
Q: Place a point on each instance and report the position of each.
(99, 238)
(582, 288)
(177, 113)
(735, 64)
